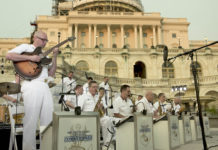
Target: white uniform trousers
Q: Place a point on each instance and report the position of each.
(107, 123)
(38, 104)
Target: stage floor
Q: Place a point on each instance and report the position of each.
(198, 145)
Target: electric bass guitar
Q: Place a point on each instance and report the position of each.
(29, 70)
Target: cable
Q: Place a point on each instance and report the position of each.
(212, 146)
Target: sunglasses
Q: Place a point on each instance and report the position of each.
(45, 40)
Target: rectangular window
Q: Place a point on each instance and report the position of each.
(127, 34)
(101, 34)
(114, 34)
(174, 35)
(83, 34)
(52, 33)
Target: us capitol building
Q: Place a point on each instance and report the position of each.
(119, 39)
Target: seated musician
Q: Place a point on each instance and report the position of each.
(72, 100)
(122, 104)
(161, 105)
(139, 97)
(176, 105)
(146, 103)
(89, 102)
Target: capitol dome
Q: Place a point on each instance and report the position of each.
(100, 5)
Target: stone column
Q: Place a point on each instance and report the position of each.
(154, 36)
(122, 35)
(136, 36)
(109, 36)
(90, 33)
(159, 35)
(140, 36)
(95, 33)
(76, 35)
(70, 33)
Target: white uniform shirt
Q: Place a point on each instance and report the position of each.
(85, 88)
(30, 48)
(69, 84)
(176, 107)
(164, 106)
(107, 90)
(144, 104)
(72, 100)
(88, 102)
(123, 107)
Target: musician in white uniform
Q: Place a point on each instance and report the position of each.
(122, 104)
(176, 104)
(69, 82)
(86, 85)
(38, 102)
(73, 98)
(164, 106)
(146, 103)
(106, 87)
(88, 102)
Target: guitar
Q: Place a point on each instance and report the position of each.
(30, 70)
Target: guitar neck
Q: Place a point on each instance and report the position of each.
(51, 49)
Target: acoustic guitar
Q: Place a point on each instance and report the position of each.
(30, 70)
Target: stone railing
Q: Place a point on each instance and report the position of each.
(138, 82)
(101, 13)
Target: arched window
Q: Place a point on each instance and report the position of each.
(139, 70)
(127, 46)
(82, 65)
(83, 45)
(111, 68)
(198, 67)
(145, 46)
(101, 45)
(114, 46)
(168, 70)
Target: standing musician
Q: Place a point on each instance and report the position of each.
(72, 100)
(86, 85)
(146, 103)
(122, 104)
(69, 82)
(38, 102)
(176, 105)
(106, 87)
(161, 105)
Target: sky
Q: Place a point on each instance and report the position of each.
(16, 15)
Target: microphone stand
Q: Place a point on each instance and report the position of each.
(111, 107)
(144, 111)
(61, 100)
(105, 95)
(194, 72)
(77, 108)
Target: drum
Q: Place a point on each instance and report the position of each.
(4, 113)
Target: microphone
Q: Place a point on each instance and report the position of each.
(165, 55)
